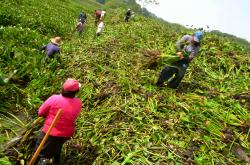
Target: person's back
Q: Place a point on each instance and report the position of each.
(128, 15)
(52, 48)
(65, 126)
(98, 13)
(83, 17)
(71, 108)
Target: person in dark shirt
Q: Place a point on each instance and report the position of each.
(83, 17)
(128, 15)
(52, 48)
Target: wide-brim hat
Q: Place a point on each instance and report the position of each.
(56, 40)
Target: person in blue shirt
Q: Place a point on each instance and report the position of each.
(52, 48)
(187, 48)
(83, 17)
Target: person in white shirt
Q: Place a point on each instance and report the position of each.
(100, 28)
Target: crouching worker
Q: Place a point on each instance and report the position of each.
(187, 49)
(52, 48)
(65, 125)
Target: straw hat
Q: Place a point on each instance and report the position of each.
(56, 40)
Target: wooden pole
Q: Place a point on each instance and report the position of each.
(32, 161)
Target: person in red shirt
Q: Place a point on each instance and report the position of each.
(98, 14)
(65, 126)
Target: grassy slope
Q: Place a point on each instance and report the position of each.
(125, 118)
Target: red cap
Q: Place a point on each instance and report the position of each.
(71, 85)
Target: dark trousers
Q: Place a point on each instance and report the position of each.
(97, 19)
(52, 147)
(127, 18)
(178, 69)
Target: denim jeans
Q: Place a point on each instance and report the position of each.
(176, 69)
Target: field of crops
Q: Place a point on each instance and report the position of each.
(125, 118)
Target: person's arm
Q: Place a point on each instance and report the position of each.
(180, 54)
(179, 44)
(43, 47)
(44, 108)
(57, 50)
(193, 53)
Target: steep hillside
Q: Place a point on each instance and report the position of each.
(125, 118)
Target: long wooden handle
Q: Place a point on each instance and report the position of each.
(32, 161)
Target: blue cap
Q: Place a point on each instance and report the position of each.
(198, 36)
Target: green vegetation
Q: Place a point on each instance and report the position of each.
(125, 119)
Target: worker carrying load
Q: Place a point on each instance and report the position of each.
(187, 49)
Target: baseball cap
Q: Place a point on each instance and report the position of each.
(198, 36)
(71, 85)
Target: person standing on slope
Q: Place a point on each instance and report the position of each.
(65, 126)
(187, 45)
(128, 14)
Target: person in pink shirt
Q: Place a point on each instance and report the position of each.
(65, 126)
